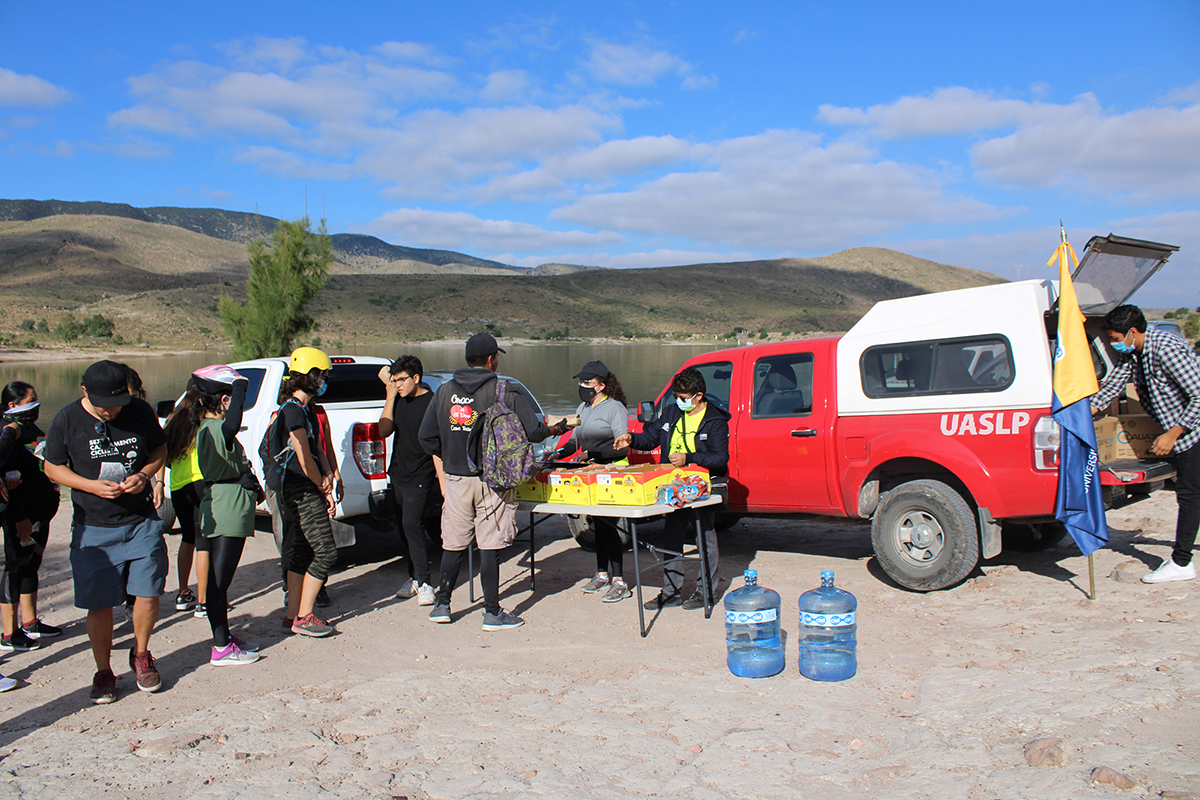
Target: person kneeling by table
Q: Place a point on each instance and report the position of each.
(690, 431)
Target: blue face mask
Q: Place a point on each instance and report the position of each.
(324, 386)
(685, 405)
(1122, 348)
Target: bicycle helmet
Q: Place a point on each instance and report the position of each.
(306, 359)
(215, 379)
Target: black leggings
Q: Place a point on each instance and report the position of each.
(420, 523)
(21, 564)
(1187, 493)
(489, 577)
(224, 554)
(610, 555)
(186, 502)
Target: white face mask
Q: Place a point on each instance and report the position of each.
(686, 404)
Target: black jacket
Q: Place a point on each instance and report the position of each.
(712, 438)
(458, 404)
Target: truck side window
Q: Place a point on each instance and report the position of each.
(954, 366)
(255, 376)
(717, 378)
(783, 386)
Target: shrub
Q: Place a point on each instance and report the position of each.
(43, 326)
(26, 325)
(1191, 326)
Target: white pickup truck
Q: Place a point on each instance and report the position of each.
(353, 402)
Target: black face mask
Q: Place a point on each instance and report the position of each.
(586, 393)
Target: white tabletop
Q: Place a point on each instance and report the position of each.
(628, 512)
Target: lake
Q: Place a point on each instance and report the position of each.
(545, 368)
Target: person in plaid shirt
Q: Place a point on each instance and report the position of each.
(1166, 372)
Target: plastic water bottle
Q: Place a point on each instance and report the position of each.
(752, 633)
(828, 632)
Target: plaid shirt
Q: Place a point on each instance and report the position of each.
(1167, 376)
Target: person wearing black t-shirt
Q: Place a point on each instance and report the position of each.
(417, 477)
(107, 447)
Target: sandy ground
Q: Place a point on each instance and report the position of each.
(951, 687)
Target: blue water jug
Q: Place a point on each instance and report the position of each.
(752, 633)
(828, 632)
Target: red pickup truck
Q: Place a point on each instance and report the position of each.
(931, 417)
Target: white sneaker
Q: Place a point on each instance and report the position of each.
(1170, 571)
(409, 589)
(231, 655)
(426, 595)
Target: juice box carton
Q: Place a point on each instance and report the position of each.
(637, 485)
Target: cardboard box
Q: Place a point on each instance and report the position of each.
(532, 490)
(637, 485)
(569, 486)
(1126, 436)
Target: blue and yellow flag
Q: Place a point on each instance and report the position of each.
(1080, 503)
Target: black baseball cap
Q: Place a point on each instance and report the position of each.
(593, 369)
(107, 385)
(482, 344)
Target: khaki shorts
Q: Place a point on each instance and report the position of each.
(473, 511)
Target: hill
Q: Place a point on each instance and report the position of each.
(160, 283)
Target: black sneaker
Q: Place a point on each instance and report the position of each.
(693, 602)
(440, 613)
(662, 601)
(18, 642)
(502, 621)
(185, 600)
(323, 600)
(40, 630)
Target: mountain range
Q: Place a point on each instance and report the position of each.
(158, 273)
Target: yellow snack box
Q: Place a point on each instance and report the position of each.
(569, 486)
(637, 485)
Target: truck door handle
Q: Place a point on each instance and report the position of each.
(243, 428)
(804, 433)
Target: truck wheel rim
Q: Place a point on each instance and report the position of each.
(920, 536)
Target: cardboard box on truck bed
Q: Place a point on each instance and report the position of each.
(1125, 437)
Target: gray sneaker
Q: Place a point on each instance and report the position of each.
(617, 592)
(502, 621)
(597, 583)
(440, 613)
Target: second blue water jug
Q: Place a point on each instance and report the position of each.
(828, 632)
(752, 630)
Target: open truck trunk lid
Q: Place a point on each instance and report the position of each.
(1113, 268)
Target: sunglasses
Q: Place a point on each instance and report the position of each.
(102, 429)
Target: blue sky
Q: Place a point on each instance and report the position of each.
(629, 133)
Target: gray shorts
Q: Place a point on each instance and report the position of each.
(473, 511)
(110, 563)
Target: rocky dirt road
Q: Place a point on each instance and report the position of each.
(957, 691)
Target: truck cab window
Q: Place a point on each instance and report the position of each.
(783, 386)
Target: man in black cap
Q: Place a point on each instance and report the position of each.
(415, 475)
(474, 511)
(107, 447)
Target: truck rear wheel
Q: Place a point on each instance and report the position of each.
(925, 535)
(580, 526)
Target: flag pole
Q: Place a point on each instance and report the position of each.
(1092, 574)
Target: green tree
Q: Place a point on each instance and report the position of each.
(286, 272)
(1191, 326)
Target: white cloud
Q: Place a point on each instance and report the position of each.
(29, 90)
(505, 86)
(639, 65)
(456, 230)
(949, 111)
(780, 190)
(609, 159)
(1142, 156)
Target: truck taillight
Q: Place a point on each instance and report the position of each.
(370, 450)
(1045, 443)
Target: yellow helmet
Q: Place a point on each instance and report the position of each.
(305, 359)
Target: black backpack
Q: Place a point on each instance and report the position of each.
(274, 452)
